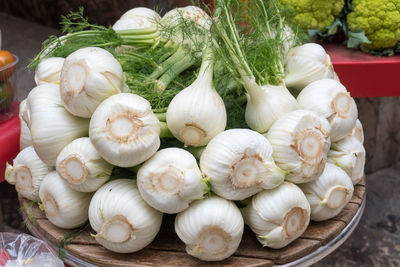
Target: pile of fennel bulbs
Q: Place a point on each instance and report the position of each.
(248, 127)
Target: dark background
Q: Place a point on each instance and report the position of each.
(104, 12)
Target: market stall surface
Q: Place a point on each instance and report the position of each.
(375, 242)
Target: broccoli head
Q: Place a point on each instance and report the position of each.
(313, 14)
(379, 19)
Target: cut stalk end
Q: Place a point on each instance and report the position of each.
(341, 104)
(213, 240)
(192, 134)
(246, 172)
(336, 196)
(73, 169)
(74, 75)
(295, 221)
(123, 128)
(116, 230)
(23, 179)
(309, 145)
(50, 205)
(169, 181)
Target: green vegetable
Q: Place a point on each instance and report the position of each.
(6, 95)
(378, 19)
(313, 14)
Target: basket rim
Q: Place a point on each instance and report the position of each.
(12, 64)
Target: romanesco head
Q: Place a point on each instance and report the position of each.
(379, 19)
(313, 14)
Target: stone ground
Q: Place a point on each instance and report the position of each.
(375, 242)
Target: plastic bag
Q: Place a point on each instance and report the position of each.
(24, 250)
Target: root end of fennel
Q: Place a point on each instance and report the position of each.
(23, 179)
(246, 172)
(337, 195)
(169, 182)
(116, 229)
(341, 104)
(192, 134)
(73, 169)
(213, 240)
(77, 69)
(123, 128)
(295, 221)
(50, 205)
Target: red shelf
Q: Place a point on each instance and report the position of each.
(365, 75)
(9, 142)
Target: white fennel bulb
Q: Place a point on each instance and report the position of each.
(63, 206)
(211, 228)
(349, 154)
(329, 193)
(124, 130)
(52, 126)
(300, 143)
(330, 99)
(239, 164)
(182, 16)
(25, 113)
(49, 70)
(82, 167)
(170, 180)
(266, 105)
(25, 139)
(197, 113)
(187, 13)
(140, 12)
(358, 131)
(278, 216)
(27, 172)
(305, 64)
(89, 76)
(122, 219)
(137, 18)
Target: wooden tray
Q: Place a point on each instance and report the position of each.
(167, 249)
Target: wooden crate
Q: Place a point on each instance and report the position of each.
(167, 249)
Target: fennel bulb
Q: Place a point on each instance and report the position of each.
(266, 104)
(197, 113)
(180, 16)
(211, 228)
(170, 180)
(358, 131)
(137, 18)
(183, 29)
(278, 216)
(267, 97)
(349, 154)
(124, 130)
(25, 139)
(330, 99)
(49, 70)
(27, 172)
(329, 193)
(122, 219)
(300, 143)
(305, 64)
(89, 76)
(82, 167)
(63, 206)
(239, 164)
(52, 126)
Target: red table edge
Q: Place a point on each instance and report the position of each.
(9, 142)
